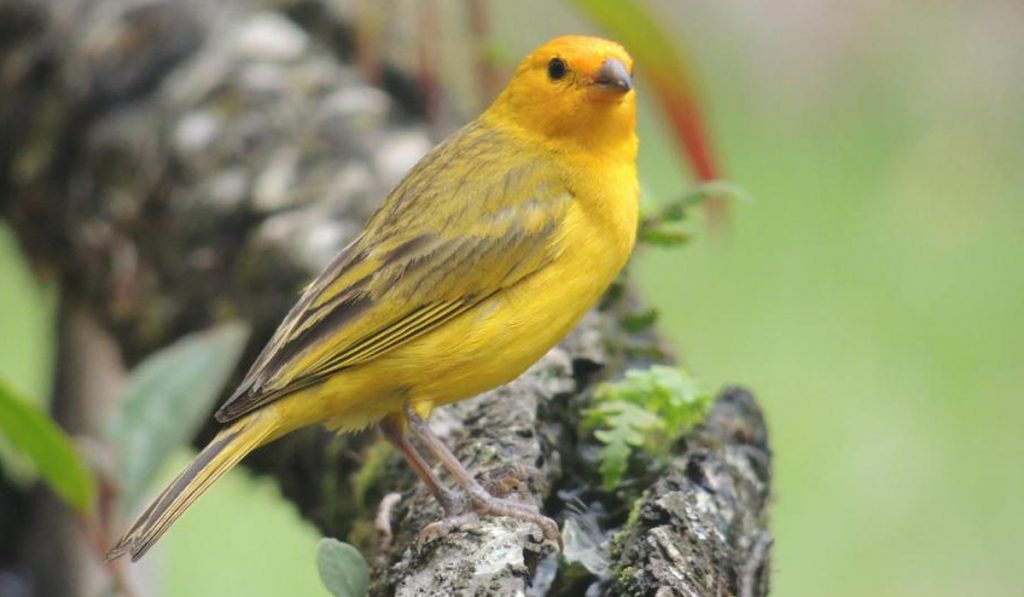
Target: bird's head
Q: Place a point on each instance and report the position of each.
(573, 90)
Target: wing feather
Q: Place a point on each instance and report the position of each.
(468, 222)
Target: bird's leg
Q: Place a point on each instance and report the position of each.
(392, 430)
(481, 500)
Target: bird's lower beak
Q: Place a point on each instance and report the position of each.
(613, 76)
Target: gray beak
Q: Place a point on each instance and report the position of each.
(613, 76)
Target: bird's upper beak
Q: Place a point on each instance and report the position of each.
(613, 77)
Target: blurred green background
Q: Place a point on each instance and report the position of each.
(872, 295)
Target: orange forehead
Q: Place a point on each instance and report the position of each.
(581, 52)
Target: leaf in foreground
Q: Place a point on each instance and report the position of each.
(49, 449)
(167, 398)
(342, 568)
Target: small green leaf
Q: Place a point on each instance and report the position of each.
(166, 400)
(712, 189)
(663, 235)
(640, 320)
(614, 462)
(27, 306)
(50, 450)
(664, 225)
(342, 569)
(645, 410)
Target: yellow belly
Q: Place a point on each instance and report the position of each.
(490, 344)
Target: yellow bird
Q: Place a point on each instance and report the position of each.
(478, 262)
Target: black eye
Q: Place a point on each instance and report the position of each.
(556, 69)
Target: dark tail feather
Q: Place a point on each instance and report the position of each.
(217, 458)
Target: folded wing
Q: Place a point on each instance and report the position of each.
(477, 215)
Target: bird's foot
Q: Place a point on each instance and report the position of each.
(445, 526)
(481, 505)
(493, 506)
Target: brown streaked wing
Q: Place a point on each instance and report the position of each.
(470, 220)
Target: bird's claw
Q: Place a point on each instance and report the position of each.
(520, 510)
(493, 506)
(445, 526)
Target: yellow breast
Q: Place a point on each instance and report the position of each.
(499, 339)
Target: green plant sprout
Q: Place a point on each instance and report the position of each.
(663, 226)
(646, 410)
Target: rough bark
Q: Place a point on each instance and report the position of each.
(701, 528)
(178, 162)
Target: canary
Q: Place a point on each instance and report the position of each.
(477, 263)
